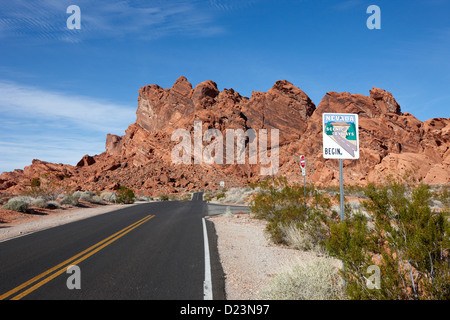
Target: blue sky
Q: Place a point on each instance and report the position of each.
(62, 91)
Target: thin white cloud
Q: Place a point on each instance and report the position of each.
(19, 154)
(349, 4)
(229, 5)
(46, 19)
(19, 101)
(54, 126)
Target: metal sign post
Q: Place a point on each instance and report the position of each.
(340, 141)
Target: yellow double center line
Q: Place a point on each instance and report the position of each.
(49, 275)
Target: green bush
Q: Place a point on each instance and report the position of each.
(163, 197)
(282, 204)
(39, 203)
(394, 229)
(403, 237)
(35, 182)
(16, 205)
(85, 196)
(125, 195)
(70, 200)
(220, 196)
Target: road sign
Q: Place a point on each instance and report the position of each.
(302, 161)
(340, 136)
(222, 184)
(303, 171)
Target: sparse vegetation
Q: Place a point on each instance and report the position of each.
(232, 195)
(163, 197)
(125, 195)
(407, 240)
(393, 228)
(186, 197)
(284, 205)
(16, 205)
(70, 200)
(108, 196)
(39, 203)
(317, 280)
(97, 200)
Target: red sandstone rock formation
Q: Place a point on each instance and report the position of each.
(391, 142)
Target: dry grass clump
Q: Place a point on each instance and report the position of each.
(316, 280)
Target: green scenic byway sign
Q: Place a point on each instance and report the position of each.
(340, 136)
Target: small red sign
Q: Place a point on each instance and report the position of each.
(302, 161)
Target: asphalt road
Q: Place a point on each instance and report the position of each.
(147, 251)
(345, 144)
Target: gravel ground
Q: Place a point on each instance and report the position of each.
(248, 259)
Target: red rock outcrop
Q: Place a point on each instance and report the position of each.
(392, 143)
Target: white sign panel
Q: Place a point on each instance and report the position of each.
(222, 184)
(340, 136)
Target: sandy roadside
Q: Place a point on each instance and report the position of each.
(19, 224)
(249, 260)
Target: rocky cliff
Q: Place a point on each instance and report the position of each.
(392, 143)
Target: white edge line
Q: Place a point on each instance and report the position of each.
(207, 283)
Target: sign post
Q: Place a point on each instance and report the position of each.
(303, 166)
(340, 141)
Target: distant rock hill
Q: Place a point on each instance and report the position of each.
(392, 143)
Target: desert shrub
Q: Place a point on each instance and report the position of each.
(53, 205)
(27, 199)
(444, 196)
(187, 197)
(46, 186)
(220, 196)
(228, 213)
(125, 195)
(39, 203)
(96, 199)
(207, 196)
(282, 204)
(317, 280)
(85, 197)
(70, 200)
(35, 182)
(16, 205)
(77, 194)
(296, 238)
(108, 196)
(163, 197)
(402, 236)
